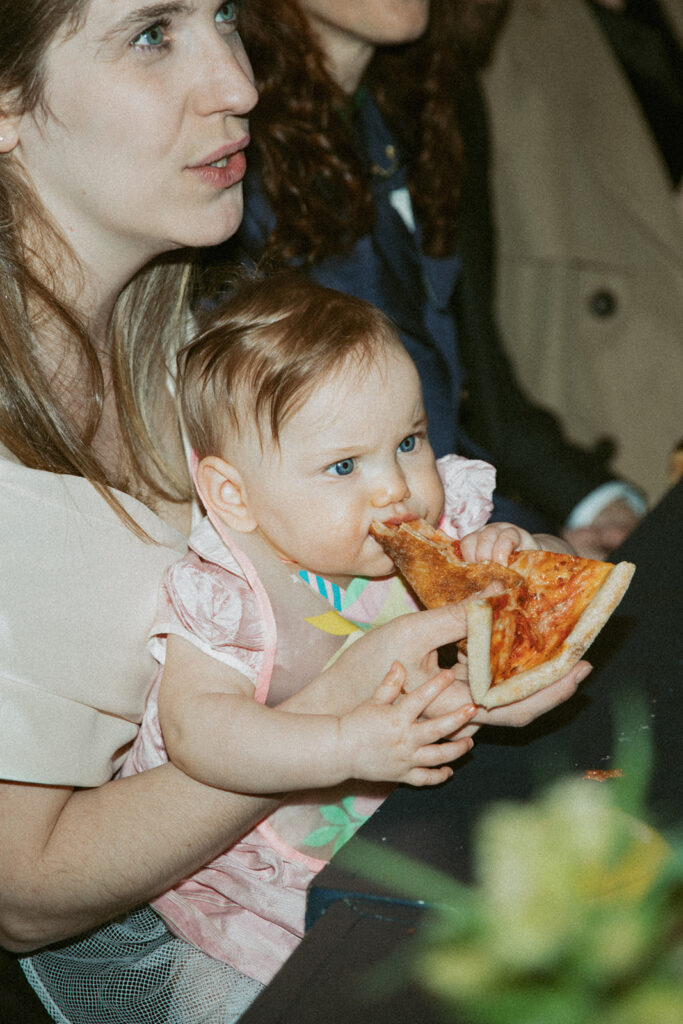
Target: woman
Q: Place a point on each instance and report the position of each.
(372, 163)
(122, 136)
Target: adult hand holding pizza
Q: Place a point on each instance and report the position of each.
(416, 649)
(515, 715)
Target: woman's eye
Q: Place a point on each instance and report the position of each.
(408, 444)
(343, 467)
(153, 38)
(227, 13)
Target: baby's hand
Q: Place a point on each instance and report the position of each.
(495, 542)
(385, 739)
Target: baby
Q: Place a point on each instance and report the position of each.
(305, 416)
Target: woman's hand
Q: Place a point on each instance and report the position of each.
(412, 639)
(609, 529)
(518, 714)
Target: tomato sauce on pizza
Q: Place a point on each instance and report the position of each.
(532, 621)
(525, 638)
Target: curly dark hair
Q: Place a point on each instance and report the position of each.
(302, 127)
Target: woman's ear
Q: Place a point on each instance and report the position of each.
(9, 130)
(222, 490)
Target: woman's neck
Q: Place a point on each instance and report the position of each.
(346, 57)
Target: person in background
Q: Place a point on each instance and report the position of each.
(369, 149)
(586, 108)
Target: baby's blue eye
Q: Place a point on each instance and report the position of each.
(407, 444)
(227, 13)
(343, 467)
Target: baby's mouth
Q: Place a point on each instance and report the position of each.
(409, 517)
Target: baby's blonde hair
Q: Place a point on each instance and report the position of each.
(264, 351)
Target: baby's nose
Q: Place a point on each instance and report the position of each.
(390, 489)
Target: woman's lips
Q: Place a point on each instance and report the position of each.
(224, 167)
(224, 172)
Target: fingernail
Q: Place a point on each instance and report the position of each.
(584, 672)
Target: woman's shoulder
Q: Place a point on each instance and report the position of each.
(78, 589)
(32, 500)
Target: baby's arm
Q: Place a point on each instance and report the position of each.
(218, 734)
(495, 542)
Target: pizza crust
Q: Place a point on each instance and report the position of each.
(587, 627)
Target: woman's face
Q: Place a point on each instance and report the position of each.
(350, 30)
(140, 146)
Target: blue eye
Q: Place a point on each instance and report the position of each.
(153, 38)
(408, 444)
(227, 13)
(343, 467)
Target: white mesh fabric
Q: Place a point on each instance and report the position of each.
(134, 971)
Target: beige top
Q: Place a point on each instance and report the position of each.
(78, 594)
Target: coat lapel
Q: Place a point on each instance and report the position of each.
(400, 247)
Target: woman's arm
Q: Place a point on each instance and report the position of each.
(73, 859)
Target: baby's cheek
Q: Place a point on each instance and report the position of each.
(344, 534)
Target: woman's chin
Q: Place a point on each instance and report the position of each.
(214, 227)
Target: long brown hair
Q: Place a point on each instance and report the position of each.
(302, 132)
(146, 324)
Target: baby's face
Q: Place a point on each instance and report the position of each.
(356, 450)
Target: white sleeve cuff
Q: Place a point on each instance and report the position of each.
(592, 505)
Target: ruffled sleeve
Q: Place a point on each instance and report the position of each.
(213, 607)
(468, 486)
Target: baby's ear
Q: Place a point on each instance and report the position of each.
(222, 490)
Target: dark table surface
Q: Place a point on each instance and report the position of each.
(355, 922)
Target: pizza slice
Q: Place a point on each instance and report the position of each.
(529, 635)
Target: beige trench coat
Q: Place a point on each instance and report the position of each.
(590, 237)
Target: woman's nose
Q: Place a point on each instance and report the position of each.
(227, 82)
(390, 488)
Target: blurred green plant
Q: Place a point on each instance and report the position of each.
(576, 916)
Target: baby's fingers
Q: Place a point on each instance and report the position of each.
(434, 766)
(431, 730)
(391, 686)
(428, 776)
(416, 703)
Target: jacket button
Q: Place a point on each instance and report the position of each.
(602, 303)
